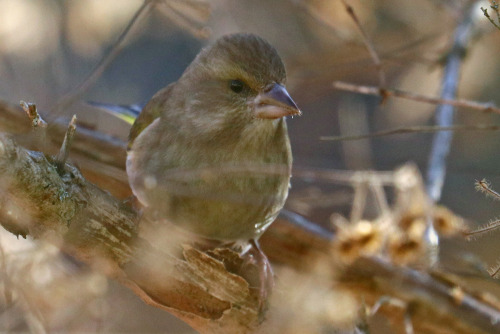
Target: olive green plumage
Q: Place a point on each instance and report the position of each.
(211, 153)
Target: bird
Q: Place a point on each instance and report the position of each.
(210, 153)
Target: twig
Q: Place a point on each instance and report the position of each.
(494, 271)
(485, 187)
(100, 157)
(367, 42)
(413, 129)
(444, 113)
(200, 8)
(383, 92)
(342, 177)
(68, 99)
(62, 156)
(180, 16)
(419, 288)
(34, 116)
(493, 6)
(436, 167)
(491, 226)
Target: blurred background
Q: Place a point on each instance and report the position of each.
(49, 47)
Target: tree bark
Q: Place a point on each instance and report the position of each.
(203, 288)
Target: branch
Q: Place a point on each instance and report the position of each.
(445, 113)
(184, 13)
(100, 230)
(385, 93)
(367, 42)
(67, 100)
(450, 307)
(202, 288)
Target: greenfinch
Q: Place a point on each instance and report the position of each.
(210, 153)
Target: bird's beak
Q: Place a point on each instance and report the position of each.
(275, 102)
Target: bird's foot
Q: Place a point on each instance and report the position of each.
(251, 263)
(263, 278)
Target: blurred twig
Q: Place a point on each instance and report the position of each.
(445, 112)
(414, 129)
(367, 42)
(75, 94)
(384, 93)
(184, 13)
(63, 154)
(188, 15)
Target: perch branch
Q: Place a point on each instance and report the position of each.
(41, 201)
(38, 200)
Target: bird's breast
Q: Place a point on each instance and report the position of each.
(225, 192)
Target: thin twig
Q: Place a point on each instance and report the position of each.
(192, 22)
(485, 187)
(379, 91)
(494, 6)
(68, 99)
(367, 42)
(414, 129)
(491, 226)
(494, 271)
(342, 177)
(62, 156)
(444, 113)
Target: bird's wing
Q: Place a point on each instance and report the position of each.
(150, 112)
(127, 113)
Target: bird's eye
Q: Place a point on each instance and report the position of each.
(236, 86)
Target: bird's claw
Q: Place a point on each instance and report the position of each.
(256, 257)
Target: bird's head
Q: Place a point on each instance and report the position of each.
(238, 80)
